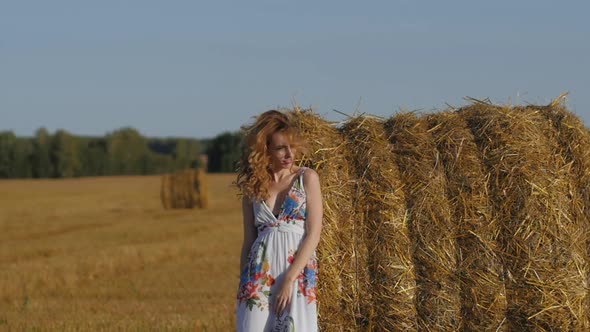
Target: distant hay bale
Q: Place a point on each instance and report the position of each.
(184, 189)
(473, 219)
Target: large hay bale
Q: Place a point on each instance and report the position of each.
(380, 205)
(432, 230)
(476, 219)
(483, 297)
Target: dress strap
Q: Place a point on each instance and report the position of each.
(300, 175)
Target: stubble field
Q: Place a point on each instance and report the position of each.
(102, 254)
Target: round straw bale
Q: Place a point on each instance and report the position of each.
(483, 298)
(380, 203)
(431, 229)
(184, 189)
(543, 285)
(338, 290)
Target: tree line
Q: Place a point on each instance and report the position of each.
(122, 152)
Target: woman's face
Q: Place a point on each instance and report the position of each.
(280, 151)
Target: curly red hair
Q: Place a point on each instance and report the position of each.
(254, 174)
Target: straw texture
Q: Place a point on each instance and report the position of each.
(483, 297)
(431, 228)
(381, 206)
(544, 285)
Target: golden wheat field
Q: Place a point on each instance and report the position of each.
(102, 254)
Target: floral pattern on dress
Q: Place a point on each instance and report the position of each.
(306, 280)
(294, 206)
(255, 280)
(284, 324)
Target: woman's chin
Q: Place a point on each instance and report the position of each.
(282, 166)
(287, 165)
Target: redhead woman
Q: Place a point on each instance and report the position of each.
(282, 215)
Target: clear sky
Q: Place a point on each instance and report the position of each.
(198, 68)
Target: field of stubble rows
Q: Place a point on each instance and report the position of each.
(102, 254)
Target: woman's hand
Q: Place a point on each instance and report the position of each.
(284, 295)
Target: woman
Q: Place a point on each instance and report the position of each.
(282, 215)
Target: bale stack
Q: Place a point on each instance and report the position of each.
(472, 219)
(483, 297)
(382, 214)
(184, 189)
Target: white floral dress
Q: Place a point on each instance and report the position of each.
(270, 256)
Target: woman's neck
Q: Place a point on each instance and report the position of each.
(281, 174)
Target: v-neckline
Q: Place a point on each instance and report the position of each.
(282, 206)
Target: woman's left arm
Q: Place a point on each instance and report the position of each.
(313, 224)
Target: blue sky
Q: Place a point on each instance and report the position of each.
(196, 68)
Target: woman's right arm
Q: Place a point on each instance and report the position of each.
(250, 232)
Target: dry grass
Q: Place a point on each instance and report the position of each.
(102, 254)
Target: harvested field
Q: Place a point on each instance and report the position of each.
(102, 254)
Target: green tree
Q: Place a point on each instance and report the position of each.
(7, 151)
(186, 153)
(224, 152)
(94, 156)
(23, 158)
(127, 152)
(157, 163)
(64, 155)
(42, 167)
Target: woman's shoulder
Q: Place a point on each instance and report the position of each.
(309, 175)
